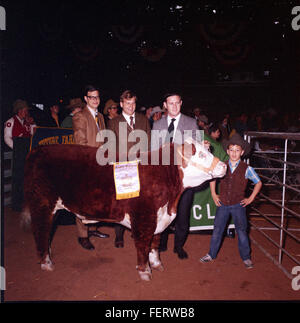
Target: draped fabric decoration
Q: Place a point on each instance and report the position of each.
(221, 34)
(153, 54)
(127, 34)
(226, 41)
(85, 51)
(232, 54)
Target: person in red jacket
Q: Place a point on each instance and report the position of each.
(17, 133)
(232, 199)
(20, 125)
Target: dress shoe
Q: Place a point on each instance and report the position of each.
(182, 254)
(119, 244)
(98, 234)
(162, 248)
(86, 243)
(230, 233)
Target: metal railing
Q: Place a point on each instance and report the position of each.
(7, 174)
(277, 171)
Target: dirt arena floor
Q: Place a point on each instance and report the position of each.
(109, 274)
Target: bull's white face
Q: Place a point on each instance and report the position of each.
(201, 166)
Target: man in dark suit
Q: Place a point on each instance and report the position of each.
(123, 125)
(176, 123)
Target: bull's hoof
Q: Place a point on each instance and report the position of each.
(47, 264)
(159, 267)
(154, 260)
(144, 275)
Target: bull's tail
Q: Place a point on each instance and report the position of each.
(25, 221)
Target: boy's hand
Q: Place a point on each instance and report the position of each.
(246, 201)
(251, 198)
(216, 199)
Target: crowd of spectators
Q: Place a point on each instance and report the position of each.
(211, 120)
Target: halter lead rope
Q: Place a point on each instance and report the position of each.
(205, 169)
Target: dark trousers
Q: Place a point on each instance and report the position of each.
(182, 220)
(20, 151)
(119, 230)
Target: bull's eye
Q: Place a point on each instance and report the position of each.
(202, 155)
(206, 145)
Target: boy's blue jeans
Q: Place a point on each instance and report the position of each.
(240, 221)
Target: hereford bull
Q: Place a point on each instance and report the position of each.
(69, 177)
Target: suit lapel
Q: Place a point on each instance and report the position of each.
(91, 120)
(165, 123)
(163, 126)
(122, 119)
(101, 122)
(179, 130)
(138, 122)
(180, 126)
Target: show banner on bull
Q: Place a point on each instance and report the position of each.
(203, 212)
(127, 181)
(50, 136)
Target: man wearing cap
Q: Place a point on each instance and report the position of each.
(20, 125)
(52, 116)
(110, 110)
(86, 125)
(176, 123)
(203, 122)
(74, 106)
(131, 121)
(156, 114)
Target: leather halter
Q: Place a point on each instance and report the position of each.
(207, 170)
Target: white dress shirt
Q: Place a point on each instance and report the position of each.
(93, 112)
(169, 119)
(127, 117)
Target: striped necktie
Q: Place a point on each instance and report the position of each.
(131, 122)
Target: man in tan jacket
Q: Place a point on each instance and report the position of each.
(86, 125)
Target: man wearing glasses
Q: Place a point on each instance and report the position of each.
(86, 124)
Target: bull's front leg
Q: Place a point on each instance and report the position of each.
(143, 232)
(154, 259)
